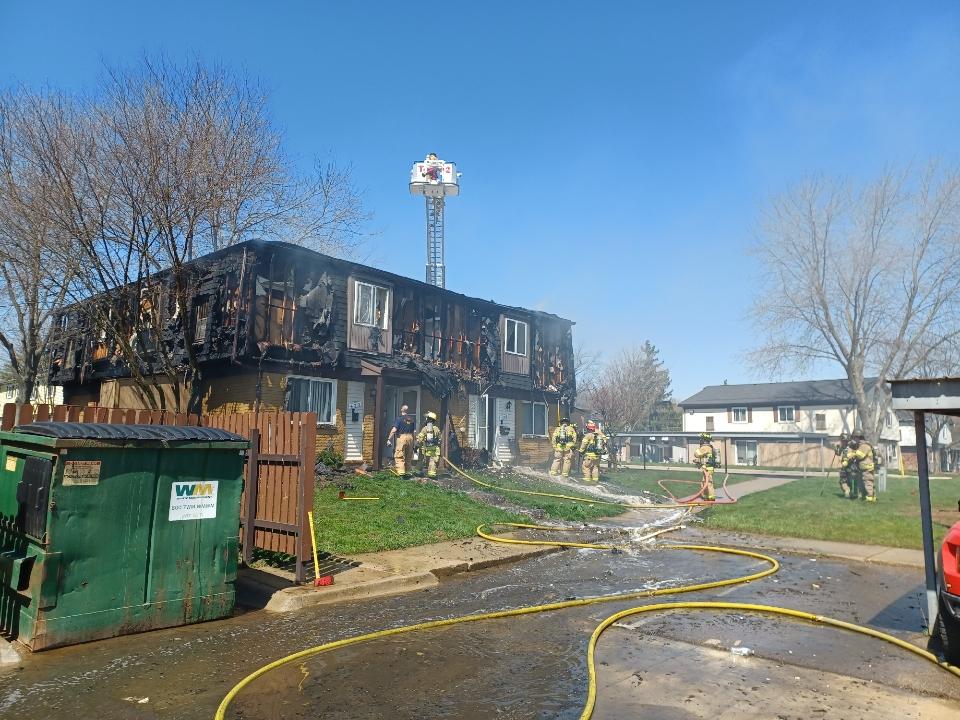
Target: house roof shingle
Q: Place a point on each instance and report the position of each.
(803, 392)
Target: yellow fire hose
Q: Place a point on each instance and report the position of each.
(588, 708)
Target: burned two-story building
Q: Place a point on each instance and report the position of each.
(275, 326)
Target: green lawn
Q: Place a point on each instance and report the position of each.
(555, 508)
(406, 515)
(633, 481)
(798, 510)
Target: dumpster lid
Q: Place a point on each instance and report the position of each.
(109, 431)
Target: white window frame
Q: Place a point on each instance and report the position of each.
(733, 415)
(780, 414)
(533, 420)
(358, 285)
(333, 397)
(506, 334)
(11, 391)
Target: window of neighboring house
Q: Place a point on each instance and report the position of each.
(739, 414)
(785, 413)
(533, 419)
(201, 316)
(370, 306)
(11, 392)
(69, 357)
(889, 420)
(515, 338)
(820, 422)
(710, 422)
(746, 452)
(318, 395)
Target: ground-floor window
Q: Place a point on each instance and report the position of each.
(746, 452)
(308, 394)
(533, 419)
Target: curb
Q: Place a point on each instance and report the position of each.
(288, 599)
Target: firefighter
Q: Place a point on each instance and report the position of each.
(844, 471)
(428, 443)
(861, 462)
(591, 448)
(402, 430)
(564, 443)
(706, 458)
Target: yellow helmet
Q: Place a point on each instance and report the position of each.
(706, 437)
(431, 415)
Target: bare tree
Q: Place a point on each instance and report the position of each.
(628, 389)
(863, 278)
(161, 164)
(33, 279)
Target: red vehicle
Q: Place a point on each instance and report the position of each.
(946, 631)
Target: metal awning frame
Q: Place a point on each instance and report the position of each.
(940, 396)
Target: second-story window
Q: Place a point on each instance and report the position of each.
(370, 307)
(739, 415)
(820, 422)
(785, 414)
(515, 337)
(201, 318)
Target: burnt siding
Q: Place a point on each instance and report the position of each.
(313, 284)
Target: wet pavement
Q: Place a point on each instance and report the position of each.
(666, 666)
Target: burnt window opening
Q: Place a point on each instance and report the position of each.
(70, 356)
(201, 319)
(232, 302)
(409, 331)
(432, 329)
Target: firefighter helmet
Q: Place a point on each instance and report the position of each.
(430, 415)
(564, 420)
(591, 425)
(705, 437)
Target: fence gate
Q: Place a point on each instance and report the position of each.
(278, 487)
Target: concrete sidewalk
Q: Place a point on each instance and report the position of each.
(388, 573)
(829, 548)
(759, 485)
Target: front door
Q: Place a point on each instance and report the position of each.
(393, 399)
(353, 422)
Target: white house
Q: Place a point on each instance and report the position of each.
(788, 424)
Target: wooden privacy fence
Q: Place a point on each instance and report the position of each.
(278, 481)
(278, 475)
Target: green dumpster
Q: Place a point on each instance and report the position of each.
(113, 529)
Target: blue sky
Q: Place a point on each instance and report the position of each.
(615, 156)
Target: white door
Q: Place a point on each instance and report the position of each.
(477, 422)
(354, 422)
(505, 431)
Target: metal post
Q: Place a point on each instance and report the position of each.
(929, 554)
(253, 482)
(726, 452)
(803, 451)
(378, 429)
(643, 451)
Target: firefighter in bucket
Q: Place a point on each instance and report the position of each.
(428, 443)
(707, 458)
